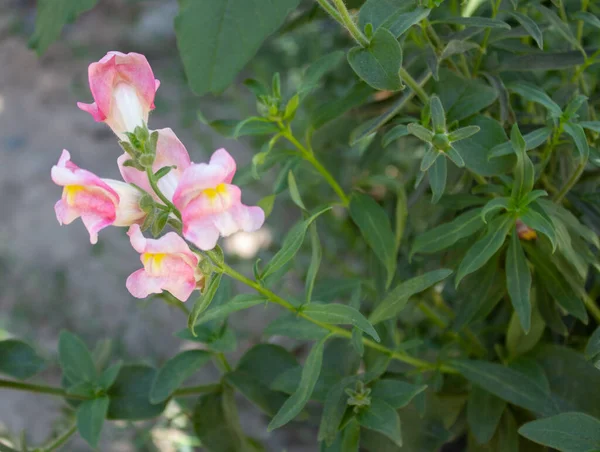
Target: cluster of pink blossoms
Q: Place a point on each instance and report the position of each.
(124, 87)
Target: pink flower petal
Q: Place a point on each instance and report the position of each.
(196, 179)
(201, 233)
(223, 159)
(140, 284)
(248, 218)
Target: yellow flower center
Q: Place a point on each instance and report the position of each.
(212, 193)
(153, 262)
(71, 191)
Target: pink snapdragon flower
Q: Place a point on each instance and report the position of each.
(169, 264)
(99, 202)
(169, 152)
(123, 87)
(210, 205)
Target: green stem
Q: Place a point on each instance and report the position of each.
(592, 307)
(61, 440)
(414, 85)
(349, 23)
(162, 197)
(309, 157)
(40, 389)
(570, 183)
(274, 298)
(330, 10)
(195, 390)
(547, 153)
(584, 7)
(486, 37)
(224, 364)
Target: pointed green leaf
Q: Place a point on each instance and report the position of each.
(379, 63)
(479, 22)
(463, 132)
(576, 132)
(420, 132)
(231, 31)
(437, 179)
(519, 341)
(431, 155)
(456, 47)
(175, 371)
(317, 70)
(75, 359)
(484, 411)
(438, 117)
(382, 418)
(130, 394)
(294, 191)
(310, 374)
(108, 377)
(393, 134)
(495, 204)
(453, 155)
(291, 245)
(532, 141)
(19, 360)
(518, 281)
(591, 125)
(592, 348)
(90, 419)
(290, 325)
(588, 18)
(524, 171)
(375, 228)
(537, 221)
(339, 314)
(531, 27)
(560, 26)
(534, 94)
(203, 301)
(237, 303)
(566, 432)
(395, 301)
(447, 234)
(485, 247)
(393, 15)
(396, 393)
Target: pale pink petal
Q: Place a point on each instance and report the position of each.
(95, 223)
(102, 78)
(170, 151)
(93, 110)
(223, 159)
(180, 289)
(132, 175)
(64, 213)
(195, 179)
(140, 284)
(248, 218)
(138, 241)
(225, 223)
(135, 69)
(128, 210)
(201, 233)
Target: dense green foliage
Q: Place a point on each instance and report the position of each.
(445, 178)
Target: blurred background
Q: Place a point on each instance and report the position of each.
(51, 278)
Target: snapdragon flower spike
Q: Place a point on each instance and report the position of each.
(99, 202)
(169, 264)
(123, 87)
(170, 151)
(210, 206)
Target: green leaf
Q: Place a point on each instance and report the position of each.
(294, 192)
(559, 25)
(336, 314)
(546, 61)
(531, 27)
(576, 132)
(556, 284)
(230, 33)
(538, 222)
(396, 300)
(591, 125)
(437, 178)
(175, 371)
(532, 141)
(351, 437)
(203, 301)
(51, 17)
(290, 325)
(396, 393)
(502, 203)
(19, 360)
(75, 359)
(518, 281)
(379, 63)
(315, 262)
(463, 132)
(310, 374)
(291, 245)
(334, 408)
(453, 155)
(216, 423)
(479, 22)
(420, 132)
(317, 70)
(438, 117)
(534, 94)
(130, 394)
(356, 95)
(592, 348)
(566, 432)
(456, 47)
(393, 134)
(507, 384)
(524, 172)
(375, 228)
(485, 247)
(90, 419)
(484, 411)
(382, 418)
(519, 341)
(588, 18)
(390, 14)
(447, 234)
(430, 157)
(461, 97)
(108, 377)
